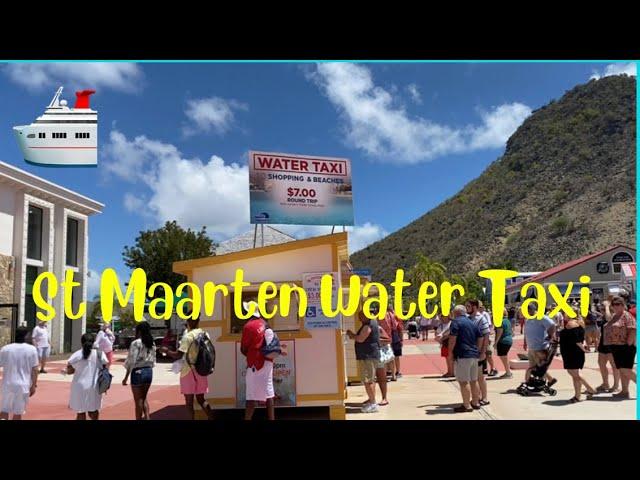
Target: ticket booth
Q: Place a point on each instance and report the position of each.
(312, 373)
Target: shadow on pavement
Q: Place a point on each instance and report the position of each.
(515, 392)
(441, 409)
(171, 412)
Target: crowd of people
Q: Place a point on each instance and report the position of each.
(468, 339)
(24, 359)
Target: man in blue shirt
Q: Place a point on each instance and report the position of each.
(465, 340)
(538, 334)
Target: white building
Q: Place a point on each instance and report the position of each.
(43, 227)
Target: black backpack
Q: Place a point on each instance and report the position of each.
(206, 358)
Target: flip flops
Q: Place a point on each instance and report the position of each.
(574, 400)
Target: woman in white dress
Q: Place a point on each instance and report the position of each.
(84, 365)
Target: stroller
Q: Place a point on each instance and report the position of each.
(412, 329)
(536, 382)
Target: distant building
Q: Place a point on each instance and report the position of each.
(605, 268)
(43, 227)
(510, 281)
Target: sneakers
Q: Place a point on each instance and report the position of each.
(507, 375)
(370, 408)
(493, 373)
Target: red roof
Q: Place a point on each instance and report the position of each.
(563, 266)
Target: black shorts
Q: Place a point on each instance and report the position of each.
(502, 349)
(604, 349)
(623, 355)
(397, 349)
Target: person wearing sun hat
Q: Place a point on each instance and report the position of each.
(259, 375)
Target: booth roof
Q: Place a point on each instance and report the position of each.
(263, 237)
(338, 239)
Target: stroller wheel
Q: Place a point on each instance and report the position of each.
(552, 392)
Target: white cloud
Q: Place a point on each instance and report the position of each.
(211, 194)
(497, 126)
(93, 284)
(415, 93)
(211, 114)
(377, 123)
(125, 77)
(361, 236)
(133, 203)
(616, 69)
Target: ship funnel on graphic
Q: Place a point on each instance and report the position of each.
(82, 98)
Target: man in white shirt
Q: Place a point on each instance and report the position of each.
(40, 338)
(492, 372)
(104, 342)
(19, 362)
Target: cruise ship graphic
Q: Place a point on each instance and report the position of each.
(63, 136)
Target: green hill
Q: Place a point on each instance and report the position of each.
(565, 187)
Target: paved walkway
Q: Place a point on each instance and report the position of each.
(422, 393)
(52, 397)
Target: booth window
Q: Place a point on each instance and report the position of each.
(279, 323)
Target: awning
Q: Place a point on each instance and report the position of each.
(629, 270)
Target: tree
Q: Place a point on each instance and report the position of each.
(156, 250)
(426, 270)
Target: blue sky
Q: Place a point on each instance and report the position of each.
(169, 134)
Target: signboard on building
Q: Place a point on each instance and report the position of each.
(314, 317)
(602, 267)
(284, 376)
(299, 189)
(622, 257)
(363, 273)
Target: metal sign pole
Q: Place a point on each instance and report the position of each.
(255, 233)
(262, 233)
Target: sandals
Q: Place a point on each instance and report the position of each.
(484, 402)
(603, 389)
(574, 400)
(622, 395)
(383, 403)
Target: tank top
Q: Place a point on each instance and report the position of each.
(370, 348)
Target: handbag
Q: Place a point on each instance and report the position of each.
(103, 382)
(386, 354)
